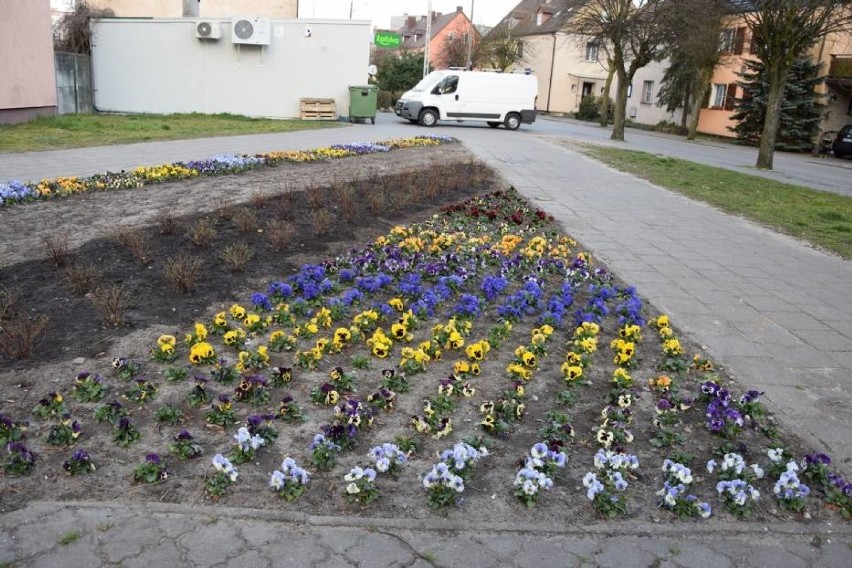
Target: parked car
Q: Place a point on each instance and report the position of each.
(842, 145)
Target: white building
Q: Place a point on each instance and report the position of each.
(163, 66)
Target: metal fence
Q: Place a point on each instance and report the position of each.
(73, 83)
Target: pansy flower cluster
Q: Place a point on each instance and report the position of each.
(536, 476)
(247, 445)
(223, 477)
(606, 488)
(674, 493)
(735, 487)
(444, 483)
(290, 481)
(16, 192)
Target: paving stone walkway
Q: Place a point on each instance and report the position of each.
(50, 535)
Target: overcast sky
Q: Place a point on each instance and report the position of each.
(485, 12)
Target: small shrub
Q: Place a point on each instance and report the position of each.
(137, 242)
(167, 221)
(321, 219)
(111, 303)
(433, 187)
(56, 247)
(226, 213)
(347, 201)
(21, 334)
(182, 272)
(279, 236)
(236, 256)
(7, 304)
(82, 278)
(245, 220)
(258, 199)
(283, 204)
(201, 233)
(375, 202)
(315, 197)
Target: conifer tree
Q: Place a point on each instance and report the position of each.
(801, 110)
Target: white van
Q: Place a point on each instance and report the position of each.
(491, 97)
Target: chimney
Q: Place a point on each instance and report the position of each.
(435, 15)
(459, 10)
(410, 21)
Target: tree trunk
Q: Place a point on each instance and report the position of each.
(605, 100)
(777, 76)
(618, 114)
(698, 97)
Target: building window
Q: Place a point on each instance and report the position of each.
(726, 40)
(591, 51)
(648, 92)
(466, 38)
(723, 97)
(520, 50)
(451, 36)
(720, 93)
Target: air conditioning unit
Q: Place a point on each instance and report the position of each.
(208, 30)
(251, 31)
(631, 112)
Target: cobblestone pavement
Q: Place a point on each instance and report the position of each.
(774, 311)
(84, 534)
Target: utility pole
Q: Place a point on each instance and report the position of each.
(428, 38)
(470, 36)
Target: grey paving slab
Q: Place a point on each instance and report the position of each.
(241, 537)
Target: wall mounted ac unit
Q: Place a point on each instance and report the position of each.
(208, 30)
(631, 112)
(251, 31)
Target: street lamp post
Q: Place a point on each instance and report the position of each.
(470, 37)
(428, 38)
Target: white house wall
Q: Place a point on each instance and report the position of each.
(560, 86)
(649, 113)
(159, 66)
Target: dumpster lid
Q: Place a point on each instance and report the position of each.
(354, 87)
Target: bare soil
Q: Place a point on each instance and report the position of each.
(77, 340)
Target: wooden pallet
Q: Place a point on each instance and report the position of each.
(318, 109)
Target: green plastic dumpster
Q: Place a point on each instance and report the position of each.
(363, 100)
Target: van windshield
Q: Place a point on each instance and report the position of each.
(426, 83)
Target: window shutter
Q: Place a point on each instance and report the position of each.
(707, 95)
(730, 96)
(739, 41)
(752, 45)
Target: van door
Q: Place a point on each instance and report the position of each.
(447, 99)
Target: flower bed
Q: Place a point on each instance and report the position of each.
(481, 337)
(17, 192)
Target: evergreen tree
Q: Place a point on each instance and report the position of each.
(801, 111)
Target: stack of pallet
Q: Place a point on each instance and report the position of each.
(318, 109)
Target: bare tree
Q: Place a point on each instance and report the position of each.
(634, 35)
(782, 31)
(500, 49)
(694, 27)
(72, 33)
(455, 52)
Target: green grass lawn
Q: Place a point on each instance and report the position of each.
(77, 130)
(822, 218)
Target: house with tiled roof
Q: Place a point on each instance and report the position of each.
(568, 66)
(446, 29)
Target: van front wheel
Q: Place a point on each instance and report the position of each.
(513, 121)
(428, 117)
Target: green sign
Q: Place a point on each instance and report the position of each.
(387, 39)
